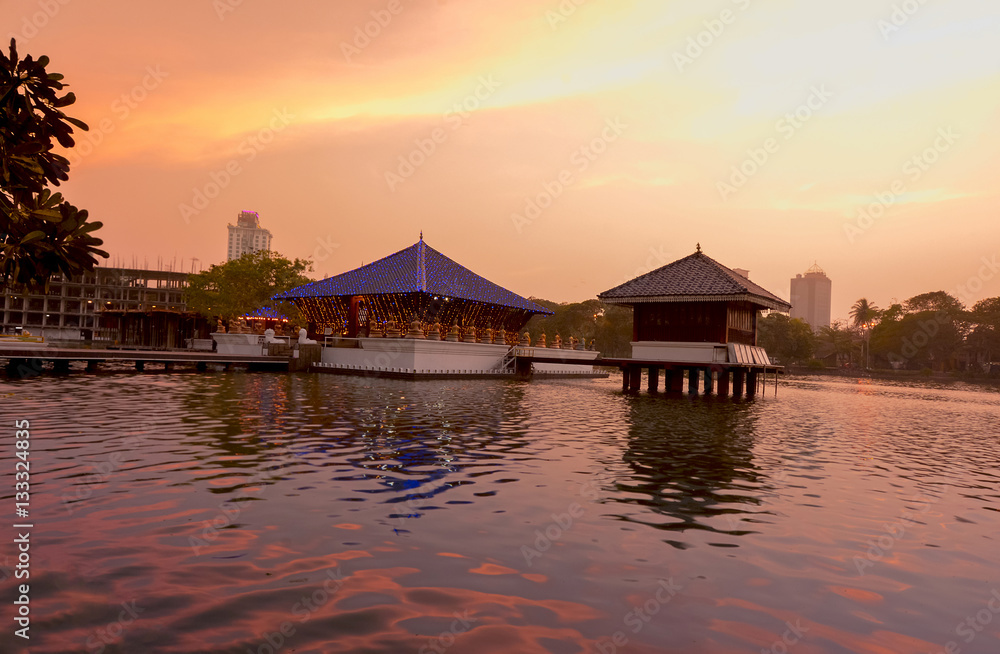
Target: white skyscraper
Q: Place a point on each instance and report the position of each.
(247, 236)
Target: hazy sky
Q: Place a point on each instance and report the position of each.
(557, 149)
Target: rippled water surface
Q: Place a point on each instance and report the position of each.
(237, 512)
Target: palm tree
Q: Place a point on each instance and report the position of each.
(864, 314)
(839, 338)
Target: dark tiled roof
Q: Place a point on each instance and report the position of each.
(695, 277)
(418, 268)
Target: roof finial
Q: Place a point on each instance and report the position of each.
(421, 234)
(698, 245)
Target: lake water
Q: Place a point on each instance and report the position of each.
(255, 512)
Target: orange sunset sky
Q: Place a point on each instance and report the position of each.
(557, 149)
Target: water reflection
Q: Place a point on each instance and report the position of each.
(423, 495)
(691, 459)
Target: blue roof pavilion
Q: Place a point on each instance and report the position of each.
(415, 283)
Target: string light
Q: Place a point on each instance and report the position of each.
(417, 282)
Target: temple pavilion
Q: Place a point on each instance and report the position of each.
(416, 286)
(695, 315)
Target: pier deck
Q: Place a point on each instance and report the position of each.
(20, 356)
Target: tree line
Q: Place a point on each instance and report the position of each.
(934, 331)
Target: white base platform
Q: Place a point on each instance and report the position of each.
(707, 353)
(242, 344)
(419, 356)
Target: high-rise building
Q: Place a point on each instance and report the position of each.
(247, 236)
(811, 297)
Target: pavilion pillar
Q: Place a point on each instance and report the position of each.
(693, 375)
(140, 365)
(677, 380)
(625, 379)
(168, 365)
(352, 317)
(93, 365)
(752, 382)
(708, 381)
(634, 378)
(654, 379)
(739, 375)
(724, 382)
(60, 365)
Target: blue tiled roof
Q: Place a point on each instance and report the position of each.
(417, 269)
(267, 313)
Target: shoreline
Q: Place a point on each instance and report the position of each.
(898, 375)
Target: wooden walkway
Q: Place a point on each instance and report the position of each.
(24, 359)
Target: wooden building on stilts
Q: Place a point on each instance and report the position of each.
(698, 317)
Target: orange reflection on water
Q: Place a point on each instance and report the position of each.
(493, 569)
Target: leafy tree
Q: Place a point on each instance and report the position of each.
(926, 331)
(609, 325)
(243, 285)
(935, 301)
(984, 339)
(790, 340)
(894, 312)
(40, 233)
(837, 339)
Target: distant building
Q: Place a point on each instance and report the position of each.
(811, 297)
(247, 236)
(71, 309)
